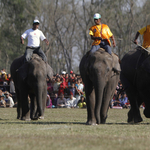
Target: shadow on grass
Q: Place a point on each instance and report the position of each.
(123, 123)
(41, 123)
(5, 121)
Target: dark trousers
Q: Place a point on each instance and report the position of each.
(104, 44)
(37, 50)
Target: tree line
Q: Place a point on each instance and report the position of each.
(66, 25)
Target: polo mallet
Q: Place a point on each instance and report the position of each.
(140, 46)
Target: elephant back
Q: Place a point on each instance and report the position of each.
(131, 62)
(112, 61)
(98, 59)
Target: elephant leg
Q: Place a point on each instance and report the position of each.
(90, 101)
(134, 113)
(44, 98)
(25, 105)
(33, 107)
(19, 108)
(130, 114)
(133, 95)
(107, 96)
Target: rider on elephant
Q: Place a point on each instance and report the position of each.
(34, 35)
(146, 40)
(101, 33)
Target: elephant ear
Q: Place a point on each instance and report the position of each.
(116, 63)
(23, 71)
(49, 71)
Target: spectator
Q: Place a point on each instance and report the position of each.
(54, 102)
(120, 88)
(2, 102)
(9, 100)
(61, 102)
(57, 84)
(67, 75)
(66, 90)
(63, 75)
(114, 100)
(3, 72)
(72, 89)
(123, 100)
(71, 101)
(1, 93)
(73, 77)
(50, 85)
(48, 102)
(8, 78)
(62, 86)
(70, 80)
(79, 89)
(82, 102)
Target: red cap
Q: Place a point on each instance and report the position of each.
(71, 71)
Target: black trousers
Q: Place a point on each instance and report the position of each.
(37, 50)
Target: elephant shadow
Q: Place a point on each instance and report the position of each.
(65, 123)
(41, 123)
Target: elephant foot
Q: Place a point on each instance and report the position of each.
(103, 122)
(18, 117)
(91, 123)
(135, 121)
(35, 118)
(130, 122)
(41, 117)
(25, 119)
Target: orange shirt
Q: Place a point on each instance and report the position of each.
(146, 34)
(100, 31)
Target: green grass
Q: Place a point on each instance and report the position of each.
(65, 129)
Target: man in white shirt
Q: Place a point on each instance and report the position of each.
(34, 36)
(71, 102)
(9, 100)
(79, 89)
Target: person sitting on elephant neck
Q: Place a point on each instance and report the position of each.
(146, 40)
(101, 33)
(34, 35)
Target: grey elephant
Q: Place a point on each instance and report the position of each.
(100, 80)
(135, 78)
(30, 83)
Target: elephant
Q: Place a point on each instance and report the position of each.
(100, 73)
(30, 84)
(135, 78)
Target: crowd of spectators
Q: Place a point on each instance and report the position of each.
(7, 90)
(120, 99)
(63, 91)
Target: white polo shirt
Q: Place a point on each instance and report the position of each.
(34, 37)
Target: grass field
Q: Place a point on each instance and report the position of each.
(65, 129)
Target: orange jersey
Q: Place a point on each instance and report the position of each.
(100, 31)
(146, 34)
